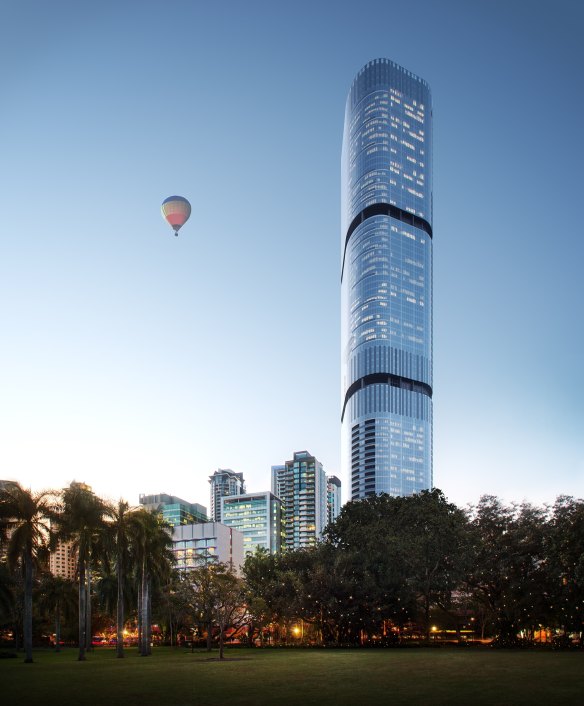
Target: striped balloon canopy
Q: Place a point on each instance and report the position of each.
(176, 210)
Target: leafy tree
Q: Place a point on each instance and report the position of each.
(229, 600)
(176, 605)
(509, 575)
(565, 563)
(218, 598)
(260, 571)
(358, 592)
(274, 582)
(258, 617)
(438, 550)
(25, 515)
(392, 554)
(201, 580)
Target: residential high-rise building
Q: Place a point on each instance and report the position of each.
(258, 516)
(174, 510)
(224, 482)
(386, 277)
(333, 498)
(63, 560)
(301, 486)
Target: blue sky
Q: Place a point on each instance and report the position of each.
(140, 362)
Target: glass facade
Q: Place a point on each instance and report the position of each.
(192, 553)
(174, 510)
(386, 290)
(258, 516)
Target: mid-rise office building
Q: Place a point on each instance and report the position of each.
(333, 498)
(386, 275)
(258, 516)
(301, 486)
(224, 483)
(207, 543)
(175, 511)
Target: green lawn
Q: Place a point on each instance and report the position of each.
(284, 677)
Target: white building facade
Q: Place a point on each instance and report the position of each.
(204, 543)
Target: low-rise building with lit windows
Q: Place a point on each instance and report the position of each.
(258, 516)
(206, 543)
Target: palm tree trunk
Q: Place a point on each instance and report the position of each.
(149, 631)
(139, 612)
(221, 639)
(120, 611)
(144, 612)
(58, 629)
(88, 632)
(208, 636)
(427, 617)
(27, 623)
(82, 621)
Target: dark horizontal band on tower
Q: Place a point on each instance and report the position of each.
(384, 209)
(387, 379)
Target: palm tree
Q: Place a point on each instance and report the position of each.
(152, 542)
(121, 527)
(7, 593)
(25, 515)
(82, 522)
(57, 597)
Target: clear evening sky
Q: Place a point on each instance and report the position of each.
(140, 362)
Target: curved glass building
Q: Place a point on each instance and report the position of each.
(386, 282)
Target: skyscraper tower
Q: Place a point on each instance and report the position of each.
(333, 498)
(301, 486)
(224, 482)
(386, 282)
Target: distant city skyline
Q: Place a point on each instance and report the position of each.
(140, 362)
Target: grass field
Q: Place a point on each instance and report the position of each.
(175, 677)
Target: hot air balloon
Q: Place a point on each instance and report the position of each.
(176, 210)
